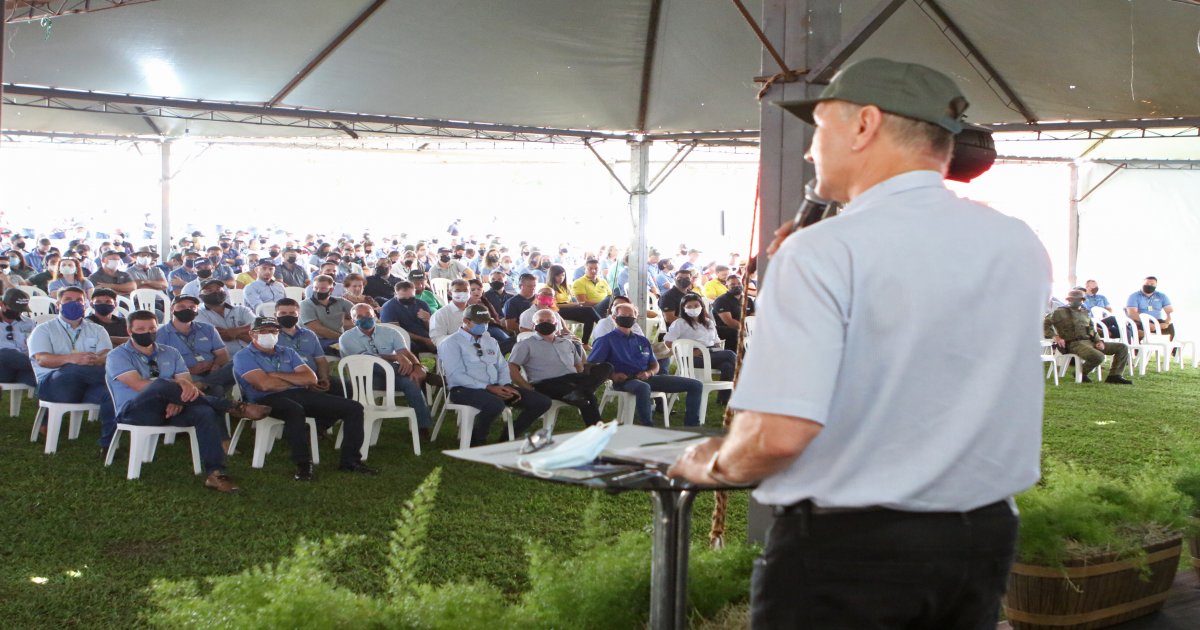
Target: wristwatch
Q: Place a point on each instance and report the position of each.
(712, 473)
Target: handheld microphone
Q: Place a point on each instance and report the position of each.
(814, 208)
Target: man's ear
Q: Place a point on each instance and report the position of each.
(867, 122)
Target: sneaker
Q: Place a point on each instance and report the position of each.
(304, 472)
(1117, 379)
(249, 411)
(221, 483)
(358, 467)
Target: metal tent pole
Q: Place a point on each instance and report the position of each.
(164, 227)
(1073, 228)
(639, 154)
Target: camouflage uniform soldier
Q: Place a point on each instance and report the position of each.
(1074, 332)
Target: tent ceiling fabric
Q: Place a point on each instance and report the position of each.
(579, 65)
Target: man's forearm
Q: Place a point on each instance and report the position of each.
(321, 331)
(752, 451)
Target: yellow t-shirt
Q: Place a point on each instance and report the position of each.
(714, 289)
(595, 292)
(561, 295)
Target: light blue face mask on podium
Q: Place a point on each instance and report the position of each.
(581, 449)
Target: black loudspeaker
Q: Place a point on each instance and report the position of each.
(974, 153)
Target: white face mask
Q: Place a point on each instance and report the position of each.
(581, 449)
(267, 341)
(112, 265)
(67, 269)
(143, 261)
(693, 312)
(460, 296)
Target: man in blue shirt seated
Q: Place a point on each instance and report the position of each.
(280, 379)
(519, 303)
(306, 344)
(386, 343)
(1092, 299)
(265, 289)
(477, 374)
(68, 359)
(201, 347)
(15, 366)
(151, 386)
(411, 314)
(1153, 303)
(635, 370)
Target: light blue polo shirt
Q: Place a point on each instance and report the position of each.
(125, 358)
(201, 344)
(21, 329)
(282, 359)
(234, 317)
(1092, 301)
(56, 336)
(1152, 304)
(382, 341)
(305, 342)
(259, 292)
(463, 365)
(63, 283)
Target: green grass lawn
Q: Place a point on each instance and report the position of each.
(98, 539)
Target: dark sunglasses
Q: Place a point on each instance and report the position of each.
(153, 367)
(536, 441)
(9, 329)
(478, 349)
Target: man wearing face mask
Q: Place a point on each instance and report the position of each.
(519, 303)
(207, 359)
(104, 306)
(448, 319)
(449, 268)
(184, 274)
(306, 344)
(144, 274)
(292, 272)
(544, 300)
(477, 374)
(36, 257)
(68, 358)
(498, 292)
(232, 322)
(715, 288)
(15, 366)
(1071, 328)
(553, 366)
(381, 285)
(204, 273)
(636, 371)
(112, 274)
(151, 386)
(669, 303)
(1152, 302)
(387, 344)
(326, 315)
(277, 377)
(1094, 298)
(220, 270)
(411, 314)
(266, 288)
(421, 289)
(727, 311)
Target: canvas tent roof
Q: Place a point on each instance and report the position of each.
(591, 67)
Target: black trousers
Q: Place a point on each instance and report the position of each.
(729, 336)
(585, 383)
(585, 315)
(294, 406)
(884, 569)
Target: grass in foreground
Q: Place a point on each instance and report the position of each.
(98, 539)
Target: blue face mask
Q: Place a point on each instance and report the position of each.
(478, 329)
(72, 310)
(365, 323)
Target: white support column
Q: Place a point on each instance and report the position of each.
(1073, 228)
(164, 223)
(639, 153)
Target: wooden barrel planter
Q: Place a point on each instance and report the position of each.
(1194, 546)
(1094, 592)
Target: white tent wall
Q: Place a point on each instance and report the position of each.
(1142, 223)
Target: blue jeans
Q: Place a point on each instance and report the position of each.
(412, 392)
(490, 406)
(149, 409)
(15, 367)
(82, 384)
(502, 337)
(666, 384)
(218, 382)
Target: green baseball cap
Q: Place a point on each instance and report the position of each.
(906, 89)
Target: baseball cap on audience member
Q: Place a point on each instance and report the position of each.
(477, 313)
(264, 322)
(16, 300)
(416, 274)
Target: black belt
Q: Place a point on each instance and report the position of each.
(808, 508)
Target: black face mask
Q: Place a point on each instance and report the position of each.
(185, 316)
(545, 264)
(407, 300)
(684, 283)
(275, 253)
(625, 321)
(291, 258)
(496, 285)
(444, 258)
(213, 299)
(11, 314)
(1149, 288)
(735, 291)
(143, 339)
(382, 271)
(321, 295)
(104, 309)
(493, 261)
(545, 328)
(204, 273)
(288, 321)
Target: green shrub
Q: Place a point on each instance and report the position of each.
(606, 584)
(1075, 513)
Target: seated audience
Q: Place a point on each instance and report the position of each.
(727, 310)
(232, 322)
(553, 365)
(104, 307)
(694, 323)
(519, 303)
(204, 353)
(324, 314)
(384, 342)
(411, 314)
(1154, 303)
(70, 275)
(264, 288)
(15, 366)
(1073, 332)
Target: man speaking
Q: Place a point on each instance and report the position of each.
(886, 436)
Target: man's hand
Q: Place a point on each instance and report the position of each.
(1060, 342)
(418, 374)
(190, 392)
(693, 464)
(201, 367)
(781, 234)
(322, 385)
(618, 377)
(423, 315)
(1100, 346)
(643, 375)
(504, 391)
(173, 410)
(404, 368)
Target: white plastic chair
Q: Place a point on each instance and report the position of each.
(522, 336)
(1144, 347)
(266, 431)
(296, 293)
(31, 290)
(237, 297)
(125, 303)
(466, 418)
(1048, 357)
(17, 390)
(399, 330)
(440, 288)
(143, 441)
(51, 413)
(357, 375)
(147, 299)
(683, 351)
(1156, 336)
(266, 309)
(39, 305)
(44, 317)
(627, 403)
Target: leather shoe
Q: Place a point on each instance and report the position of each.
(103, 454)
(425, 434)
(1117, 379)
(1085, 379)
(249, 411)
(574, 397)
(358, 467)
(221, 483)
(435, 380)
(304, 472)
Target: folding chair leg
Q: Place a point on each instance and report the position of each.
(195, 453)
(137, 451)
